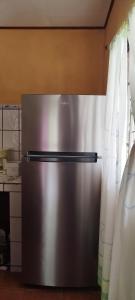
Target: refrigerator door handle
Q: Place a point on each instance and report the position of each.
(89, 157)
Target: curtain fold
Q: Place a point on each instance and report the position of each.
(115, 153)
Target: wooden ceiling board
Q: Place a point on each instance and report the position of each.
(54, 13)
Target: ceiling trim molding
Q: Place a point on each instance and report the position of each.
(53, 28)
(109, 13)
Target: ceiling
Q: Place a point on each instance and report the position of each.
(54, 13)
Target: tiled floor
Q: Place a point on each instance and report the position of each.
(12, 289)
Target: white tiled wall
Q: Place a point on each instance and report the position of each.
(1, 187)
(15, 204)
(10, 138)
(0, 139)
(15, 254)
(10, 130)
(0, 119)
(11, 119)
(15, 227)
(8, 187)
(20, 119)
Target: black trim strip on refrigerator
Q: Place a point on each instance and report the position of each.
(89, 157)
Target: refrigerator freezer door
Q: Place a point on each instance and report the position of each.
(60, 223)
(61, 123)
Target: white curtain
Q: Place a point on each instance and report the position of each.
(131, 38)
(122, 279)
(115, 153)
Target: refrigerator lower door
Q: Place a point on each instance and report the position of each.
(60, 207)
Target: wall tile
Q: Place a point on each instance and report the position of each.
(20, 141)
(16, 269)
(11, 140)
(15, 204)
(11, 119)
(15, 229)
(0, 139)
(12, 187)
(20, 119)
(13, 155)
(1, 187)
(15, 254)
(11, 106)
(0, 119)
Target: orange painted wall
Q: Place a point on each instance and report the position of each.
(50, 61)
(57, 61)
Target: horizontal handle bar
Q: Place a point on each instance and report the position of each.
(61, 156)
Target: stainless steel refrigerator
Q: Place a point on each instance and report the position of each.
(60, 190)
